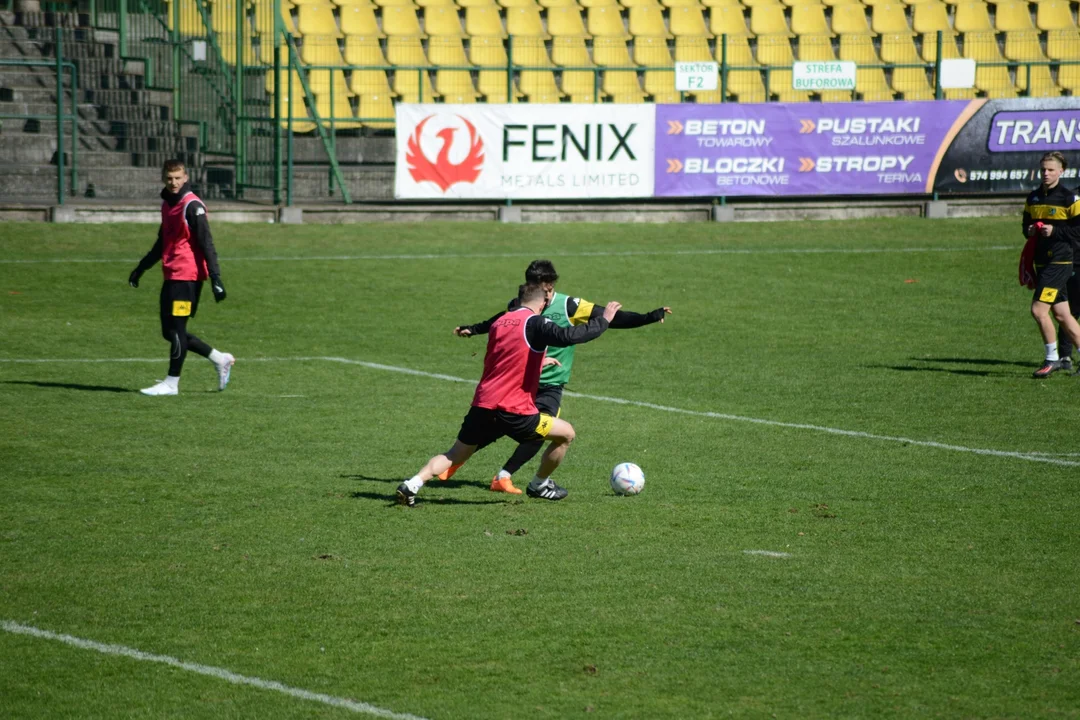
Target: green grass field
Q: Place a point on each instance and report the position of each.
(925, 563)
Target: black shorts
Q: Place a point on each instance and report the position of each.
(549, 399)
(179, 299)
(1051, 282)
(483, 427)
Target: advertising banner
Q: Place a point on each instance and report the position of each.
(524, 151)
(999, 147)
(803, 149)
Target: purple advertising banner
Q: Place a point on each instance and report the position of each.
(803, 149)
(1040, 130)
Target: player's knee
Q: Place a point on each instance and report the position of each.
(569, 434)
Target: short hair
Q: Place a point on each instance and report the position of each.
(540, 271)
(530, 292)
(1056, 157)
(172, 166)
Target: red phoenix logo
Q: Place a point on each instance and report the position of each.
(442, 172)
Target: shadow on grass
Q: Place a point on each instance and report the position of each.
(451, 483)
(390, 499)
(975, 361)
(69, 386)
(969, 372)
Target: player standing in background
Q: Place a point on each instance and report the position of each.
(1052, 217)
(565, 312)
(1065, 345)
(503, 402)
(186, 251)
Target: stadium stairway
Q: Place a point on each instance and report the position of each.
(125, 129)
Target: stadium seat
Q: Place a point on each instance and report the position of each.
(948, 47)
(1041, 83)
(413, 86)
(562, 3)
(706, 3)
(298, 3)
(648, 21)
(483, 21)
(363, 51)
(539, 84)
(301, 118)
(931, 16)
(1063, 45)
(687, 21)
(889, 17)
(340, 110)
(603, 22)
(321, 50)
(871, 85)
(264, 18)
(1054, 15)
(456, 84)
(809, 20)
(529, 52)
(227, 43)
(1024, 45)
(493, 86)
(600, 3)
(738, 53)
(710, 97)
(360, 20)
(401, 21)
(835, 96)
(899, 48)
(850, 20)
(566, 22)
(405, 51)
(912, 84)
(680, 3)
(525, 22)
(780, 81)
(422, 3)
(317, 20)
(972, 16)
(487, 52)
(746, 86)
(622, 84)
(816, 48)
(223, 17)
(774, 50)
(1013, 15)
(611, 52)
(858, 49)
(369, 82)
(692, 49)
(372, 108)
(442, 22)
(659, 82)
(476, 3)
(581, 86)
(992, 79)
(768, 20)
(1069, 78)
(392, 3)
(652, 52)
(446, 51)
(570, 52)
(725, 20)
(191, 22)
(959, 93)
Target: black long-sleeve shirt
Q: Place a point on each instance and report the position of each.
(200, 233)
(623, 320)
(1060, 208)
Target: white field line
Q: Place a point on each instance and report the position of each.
(625, 253)
(1039, 457)
(219, 673)
(768, 553)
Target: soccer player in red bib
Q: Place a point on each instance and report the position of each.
(186, 251)
(504, 401)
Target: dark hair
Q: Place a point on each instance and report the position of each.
(531, 292)
(540, 271)
(1055, 156)
(172, 166)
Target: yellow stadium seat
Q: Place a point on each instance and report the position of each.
(972, 16)
(667, 97)
(442, 22)
(809, 20)
(709, 97)
(487, 52)
(492, 85)
(931, 16)
(630, 98)
(298, 3)
(780, 81)
(611, 52)
(566, 22)
(796, 3)
(525, 22)
(529, 52)
(768, 20)
(363, 51)
(408, 84)
(539, 83)
(982, 46)
(648, 21)
(752, 3)
(622, 83)
(264, 18)
(400, 21)
(421, 3)
(838, 3)
(912, 84)
(959, 93)
(340, 109)
(300, 116)
(707, 3)
(581, 86)
(516, 3)
(727, 20)
(476, 3)
(889, 17)
(446, 51)
(916, 3)
(692, 49)
(570, 52)
(687, 22)
(600, 3)
(321, 50)
(227, 43)
(680, 3)
(319, 81)
(376, 111)
(899, 48)
(871, 83)
(405, 51)
(858, 49)
(369, 82)
(1063, 44)
(948, 47)
(1038, 84)
(774, 50)
(850, 20)
(1023, 45)
(317, 20)
(659, 82)
(1054, 15)
(1013, 15)
(392, 3)
(455, 83)
(835, 96)
(738, 53)
(992, 79)
(1069, 78)
(223, 17)
(603, 22)
(191, 22)
(563, 3)
(360, 20)
(816, 48)
(652, 52)
(483, 21)
(746, 86)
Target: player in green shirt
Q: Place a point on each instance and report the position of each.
(565, 311)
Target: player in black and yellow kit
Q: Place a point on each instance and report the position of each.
(1065, 345)
(1052, 217)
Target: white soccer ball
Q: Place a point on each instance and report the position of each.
(627, 479)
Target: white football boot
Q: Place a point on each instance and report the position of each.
(224, 370)
(162, 388)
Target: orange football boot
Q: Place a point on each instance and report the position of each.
(449, 472)
(505, 485)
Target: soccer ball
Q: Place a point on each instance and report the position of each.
(627, 479)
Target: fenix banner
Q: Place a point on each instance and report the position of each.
(524, 151)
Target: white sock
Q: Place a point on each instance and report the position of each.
(171, 381)
(504, 475)
(414, 483)
(1051, 352)
(216, 357)
(537, 481)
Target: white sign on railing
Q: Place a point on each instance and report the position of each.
(827, 75)
(692, 76)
